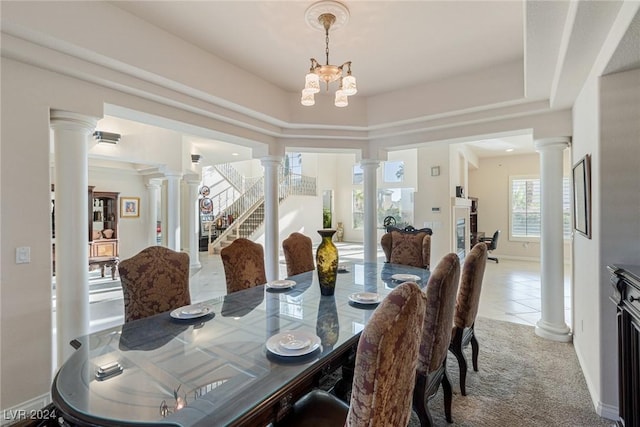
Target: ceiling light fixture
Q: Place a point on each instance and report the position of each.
(325, 15)
(106, 137)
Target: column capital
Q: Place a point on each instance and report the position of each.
(553, 143)
(173, 174)
(68, 120)
(191, 178)
(370, 163)
(153, 183)
(271, 160)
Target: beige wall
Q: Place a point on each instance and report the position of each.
(490, 184)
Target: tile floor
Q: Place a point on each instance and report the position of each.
(510, 292)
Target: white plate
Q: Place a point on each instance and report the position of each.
(191, 311)
(365, 298)
(406, 277)
(293, 342)
(281, 284)
(295, 339)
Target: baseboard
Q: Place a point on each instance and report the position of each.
(25, 410)
(603, 410)
(609, 412)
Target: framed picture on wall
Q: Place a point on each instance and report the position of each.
(129, 207)
(582, 196)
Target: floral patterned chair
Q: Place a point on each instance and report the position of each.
(407, 246)
(154, 281)
(384, 376)
(243, 262)
(466, 310)
(298, 253)
(436, 335)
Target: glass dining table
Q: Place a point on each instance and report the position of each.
(221, 366)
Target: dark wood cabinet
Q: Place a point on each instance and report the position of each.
(626, 296)
(473, 222)
(103, 224)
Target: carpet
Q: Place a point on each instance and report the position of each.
(523, 380)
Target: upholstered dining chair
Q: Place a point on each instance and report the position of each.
(436, 335)
(153, 281)
(385, 369)
(407, 246)
(243, 262)
(298, 253)
(467, 303)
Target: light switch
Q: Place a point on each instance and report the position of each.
(23, 255)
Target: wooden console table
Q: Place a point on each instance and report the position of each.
(105, 261)
(626, 295)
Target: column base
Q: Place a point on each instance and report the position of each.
(560, 333)
(195, 265)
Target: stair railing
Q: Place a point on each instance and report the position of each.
(245, 205)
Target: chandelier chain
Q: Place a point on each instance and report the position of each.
(327, 43)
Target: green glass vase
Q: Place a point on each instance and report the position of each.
(327, 262)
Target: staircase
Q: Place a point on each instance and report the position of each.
(247, 210)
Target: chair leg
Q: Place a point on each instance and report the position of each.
(492, 258)
(420, 401)
(475, 348)
(456, 349)
(448, 393)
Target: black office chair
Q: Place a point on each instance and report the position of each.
(492, 243)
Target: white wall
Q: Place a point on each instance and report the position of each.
(434, 192)
(607, 126)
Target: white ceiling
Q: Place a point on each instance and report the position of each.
(392, 44)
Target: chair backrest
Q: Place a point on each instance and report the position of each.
(243, 262)
(494, 241)
(441, 291)
(154, 281)
(408, 247)
(386, 359)
(468, 298)
(298, 253)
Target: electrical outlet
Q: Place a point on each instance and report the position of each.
(23, 255)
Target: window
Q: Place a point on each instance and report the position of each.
(395, 202)
(525, 215)
(393, 171)
(358, 174)
(293, 164)
(358, 209)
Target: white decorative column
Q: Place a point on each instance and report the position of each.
(71, 133)
(153, 192)
(552, 324)
(369, 168)
(193, 183)
(271, 166)
(173, 210)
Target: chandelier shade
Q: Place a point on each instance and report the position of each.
(324, 13)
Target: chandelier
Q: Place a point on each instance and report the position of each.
(324, 15)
